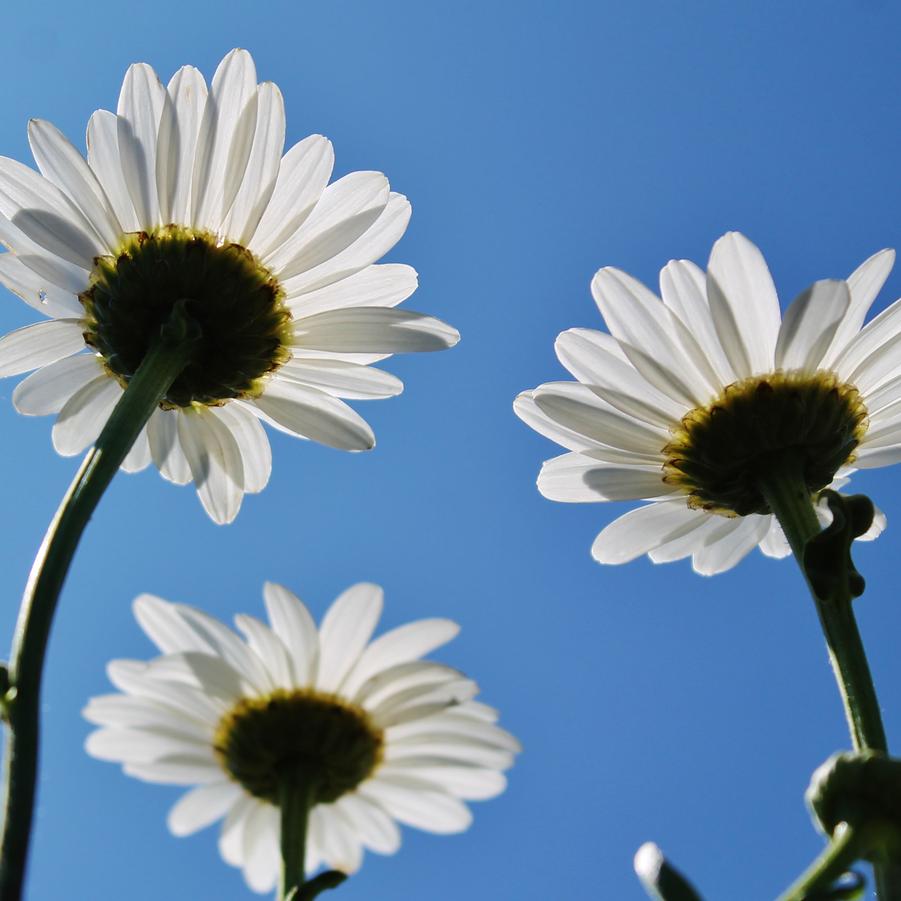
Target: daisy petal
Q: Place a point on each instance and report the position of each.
(37, 345)
(83, 416)
(810, 324)
(743, 304)
(141, 103)
(373, 330)
(315, 415)
(346, 631)
(202, 806)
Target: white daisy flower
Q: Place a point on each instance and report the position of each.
(688, 400)
(388, 737)
(185, 196)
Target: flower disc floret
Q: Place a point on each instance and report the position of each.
(720, 451)
(261, 739)
(233, 301)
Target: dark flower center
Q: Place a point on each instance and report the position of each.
(234, 302)
(720, 452)
(333, 742)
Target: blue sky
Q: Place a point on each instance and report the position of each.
(537, 142)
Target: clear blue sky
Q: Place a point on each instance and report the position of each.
(537, 142)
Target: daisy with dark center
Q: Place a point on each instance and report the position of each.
(187, 201)
(312, 744)
(731, 420)
(199, 282)
(695, 401)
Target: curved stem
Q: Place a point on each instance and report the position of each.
(297, 790)
(162, 365)
(789, 499)
(832, 863)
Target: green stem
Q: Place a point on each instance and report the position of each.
(162, 365)
(790, 500)
(297, 790)
(834, 861)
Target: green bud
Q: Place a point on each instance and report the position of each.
(863, 790)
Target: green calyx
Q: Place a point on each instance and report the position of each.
(719, 452)
(233, 301)
(333, 742)
(862, 790)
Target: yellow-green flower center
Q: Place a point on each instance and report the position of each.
(232, 300)
(333, 742)
(720, 452)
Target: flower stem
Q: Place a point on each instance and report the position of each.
(161, 366)
(790, 500)
(297, 788)
(832, 863)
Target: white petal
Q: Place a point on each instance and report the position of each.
(656, 342)
(44, 214)
(202, 806)
(179, 769)
(467, 783)
(642, 530)
(215, 462)
(303, 174)
(373, 330)
(409, 642)
(63, 165)
(312, 414)
(594, 359)
(416, 804)
(262, 166)
(342, 379)
(574, 478)
(139, 457)
(84, 415)
(249, 435)
(231, 838)
(683, 286)
(864, 284)
(774, 543)
(376, 829)
(335, 840)
(166, 627)
(105, 161)
(124, 711)
(743, 304)
(684, 545)
(578, 408)
(176, 141)
(37, 345)
(345, 210)
(38, 292)
(261, 858)
(293, 624)
(528, 411)
(372, 244)
(383, 285)
(269, 648)
(142, 745)
(725, 548)
(388, 683)
(45, 266)
(810, 324)
(345, 631)
(217, 164)
(165, 447)
(140, 107)
(228, 648)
